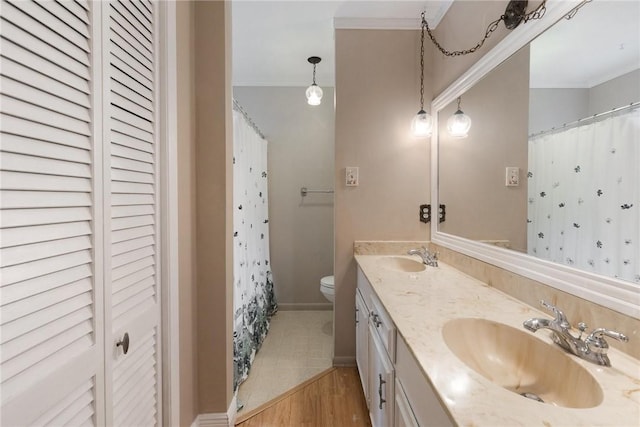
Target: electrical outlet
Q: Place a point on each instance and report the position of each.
(351, 176)
(512, 176)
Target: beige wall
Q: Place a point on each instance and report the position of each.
(377, 94)
(187, 215)
(471, 174)
(301, 154)
(214, 216)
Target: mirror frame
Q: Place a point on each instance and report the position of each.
(613, 293)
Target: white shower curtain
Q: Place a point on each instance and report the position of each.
(584, 196)
(253, 298)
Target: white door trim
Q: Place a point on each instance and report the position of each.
(169, 219)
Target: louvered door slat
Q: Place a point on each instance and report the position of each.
(43, 233)
(52, 70)
(126, 110)
(41, 149)
(24, 289)
(47, 259)
(29, 306)
(46, 199)
(78, 9)
(25, 163)
(121, 70)
(131, 210)
(40, 98)
(45, 83)
(52, 21)
(27, 217)
(133, 244)
(38, 182)
(50, 417)
(140, 35)
(138, 17)
(131, 199)
(51, 118)
(21, 272)
(45, 50)
(131, 279)
(38, 29)
(27, 253)
(29, 129)
(132, 94)
(19, 345)
(64, 16)
(49, 314)
(128, 164)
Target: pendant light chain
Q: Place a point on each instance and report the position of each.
(424, 21)
(314, 73)
(537, 13)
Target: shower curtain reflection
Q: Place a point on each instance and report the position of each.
(253, 297)
(584, 196)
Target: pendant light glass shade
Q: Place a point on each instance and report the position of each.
(314, 94)
(421, 125)
(459, 124)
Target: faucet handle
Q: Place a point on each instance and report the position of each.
(560, 317)
(596, 342)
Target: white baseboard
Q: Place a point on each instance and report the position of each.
(344, 361)
(305, 306)
(218, 419)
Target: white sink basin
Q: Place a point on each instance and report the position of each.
(521, 363)
(406, 265)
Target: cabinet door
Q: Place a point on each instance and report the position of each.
(402, 409)
(51, 350)
(381, 382)
(362, 343)
(131, 212)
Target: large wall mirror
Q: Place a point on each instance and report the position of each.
(547, 182)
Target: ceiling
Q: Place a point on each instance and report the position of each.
(601, 42)
(273, 39)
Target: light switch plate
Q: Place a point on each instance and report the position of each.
(512, 176)
(351, 176)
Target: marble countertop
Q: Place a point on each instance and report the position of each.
(421, 303)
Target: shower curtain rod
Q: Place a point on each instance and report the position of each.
(239, 109)
(587, 119)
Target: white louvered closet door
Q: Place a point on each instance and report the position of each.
(131, 265)
(51, 342)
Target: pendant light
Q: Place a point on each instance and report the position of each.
(459, 124)
(421, 123)
(314, 92)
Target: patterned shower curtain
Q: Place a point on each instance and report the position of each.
(584, 196)
(253, 297)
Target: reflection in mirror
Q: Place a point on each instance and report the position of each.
(538, 172)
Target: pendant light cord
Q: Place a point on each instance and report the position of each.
(314, 73)
(424, 25)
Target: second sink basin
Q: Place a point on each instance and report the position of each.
(406, 265)
(521, 363)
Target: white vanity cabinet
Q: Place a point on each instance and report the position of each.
(397, 392)
(381, 382)
(362, 343)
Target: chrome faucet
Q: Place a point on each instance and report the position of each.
(427, 258)
(593, 348)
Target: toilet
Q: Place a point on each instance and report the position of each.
(326, 287)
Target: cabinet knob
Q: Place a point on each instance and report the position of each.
(124, 343)
(376, 320)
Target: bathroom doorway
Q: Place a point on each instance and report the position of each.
(300, 139)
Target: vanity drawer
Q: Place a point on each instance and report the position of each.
(381, 321)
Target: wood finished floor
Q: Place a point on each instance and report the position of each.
(333, 398)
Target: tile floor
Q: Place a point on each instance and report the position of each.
(298, 346)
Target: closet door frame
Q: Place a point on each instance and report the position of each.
(168, 182)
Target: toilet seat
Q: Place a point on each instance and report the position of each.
(327, 282)
(326, 287)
